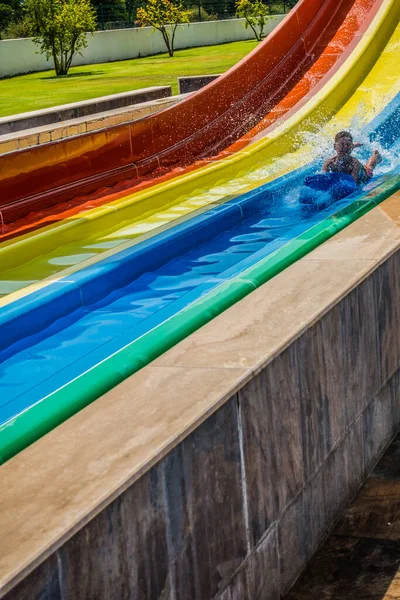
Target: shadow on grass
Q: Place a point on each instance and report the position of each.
(73, 75)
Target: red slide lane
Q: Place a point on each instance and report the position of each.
(179, 134)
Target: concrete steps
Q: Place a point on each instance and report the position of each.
(33, 136)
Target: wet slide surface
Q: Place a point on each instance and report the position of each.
(35, 257)
(176, 271)
(163, 280)
(79, 335)
(165, 139)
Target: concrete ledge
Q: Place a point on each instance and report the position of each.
(50, 133)
(195, 82)
(216, 471)
(84, 108)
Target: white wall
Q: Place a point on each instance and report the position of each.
(20, 56)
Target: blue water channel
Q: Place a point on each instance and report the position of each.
(55, 334)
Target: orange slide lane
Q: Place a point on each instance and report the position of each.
(328, 51)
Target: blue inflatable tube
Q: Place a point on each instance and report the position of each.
(325, 186)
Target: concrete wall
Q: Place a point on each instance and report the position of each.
(186, 85)
(21, 55)
(236, 509)
(57, 131)
(84, 108)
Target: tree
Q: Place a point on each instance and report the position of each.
(256, 14)
(165, 16)
(59, 28)
(6, 16)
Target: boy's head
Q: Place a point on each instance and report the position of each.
(343, 143)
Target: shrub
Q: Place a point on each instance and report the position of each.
(204, 15)
(6, 16)
(16, 29)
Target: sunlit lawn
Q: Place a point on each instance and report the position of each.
(41, 90)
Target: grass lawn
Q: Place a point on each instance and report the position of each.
(40, 90)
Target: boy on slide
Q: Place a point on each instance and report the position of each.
(343, 162)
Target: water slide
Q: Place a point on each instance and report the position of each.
(83, 328)
(147, 207)
(282, 73)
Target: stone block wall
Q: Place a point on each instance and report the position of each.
(237, 508)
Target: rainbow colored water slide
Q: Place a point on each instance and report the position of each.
(342, 41)
(89, 235)
(71, 299)
(282, 73)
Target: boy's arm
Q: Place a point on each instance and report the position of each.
(355, 172)
(325, 166)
